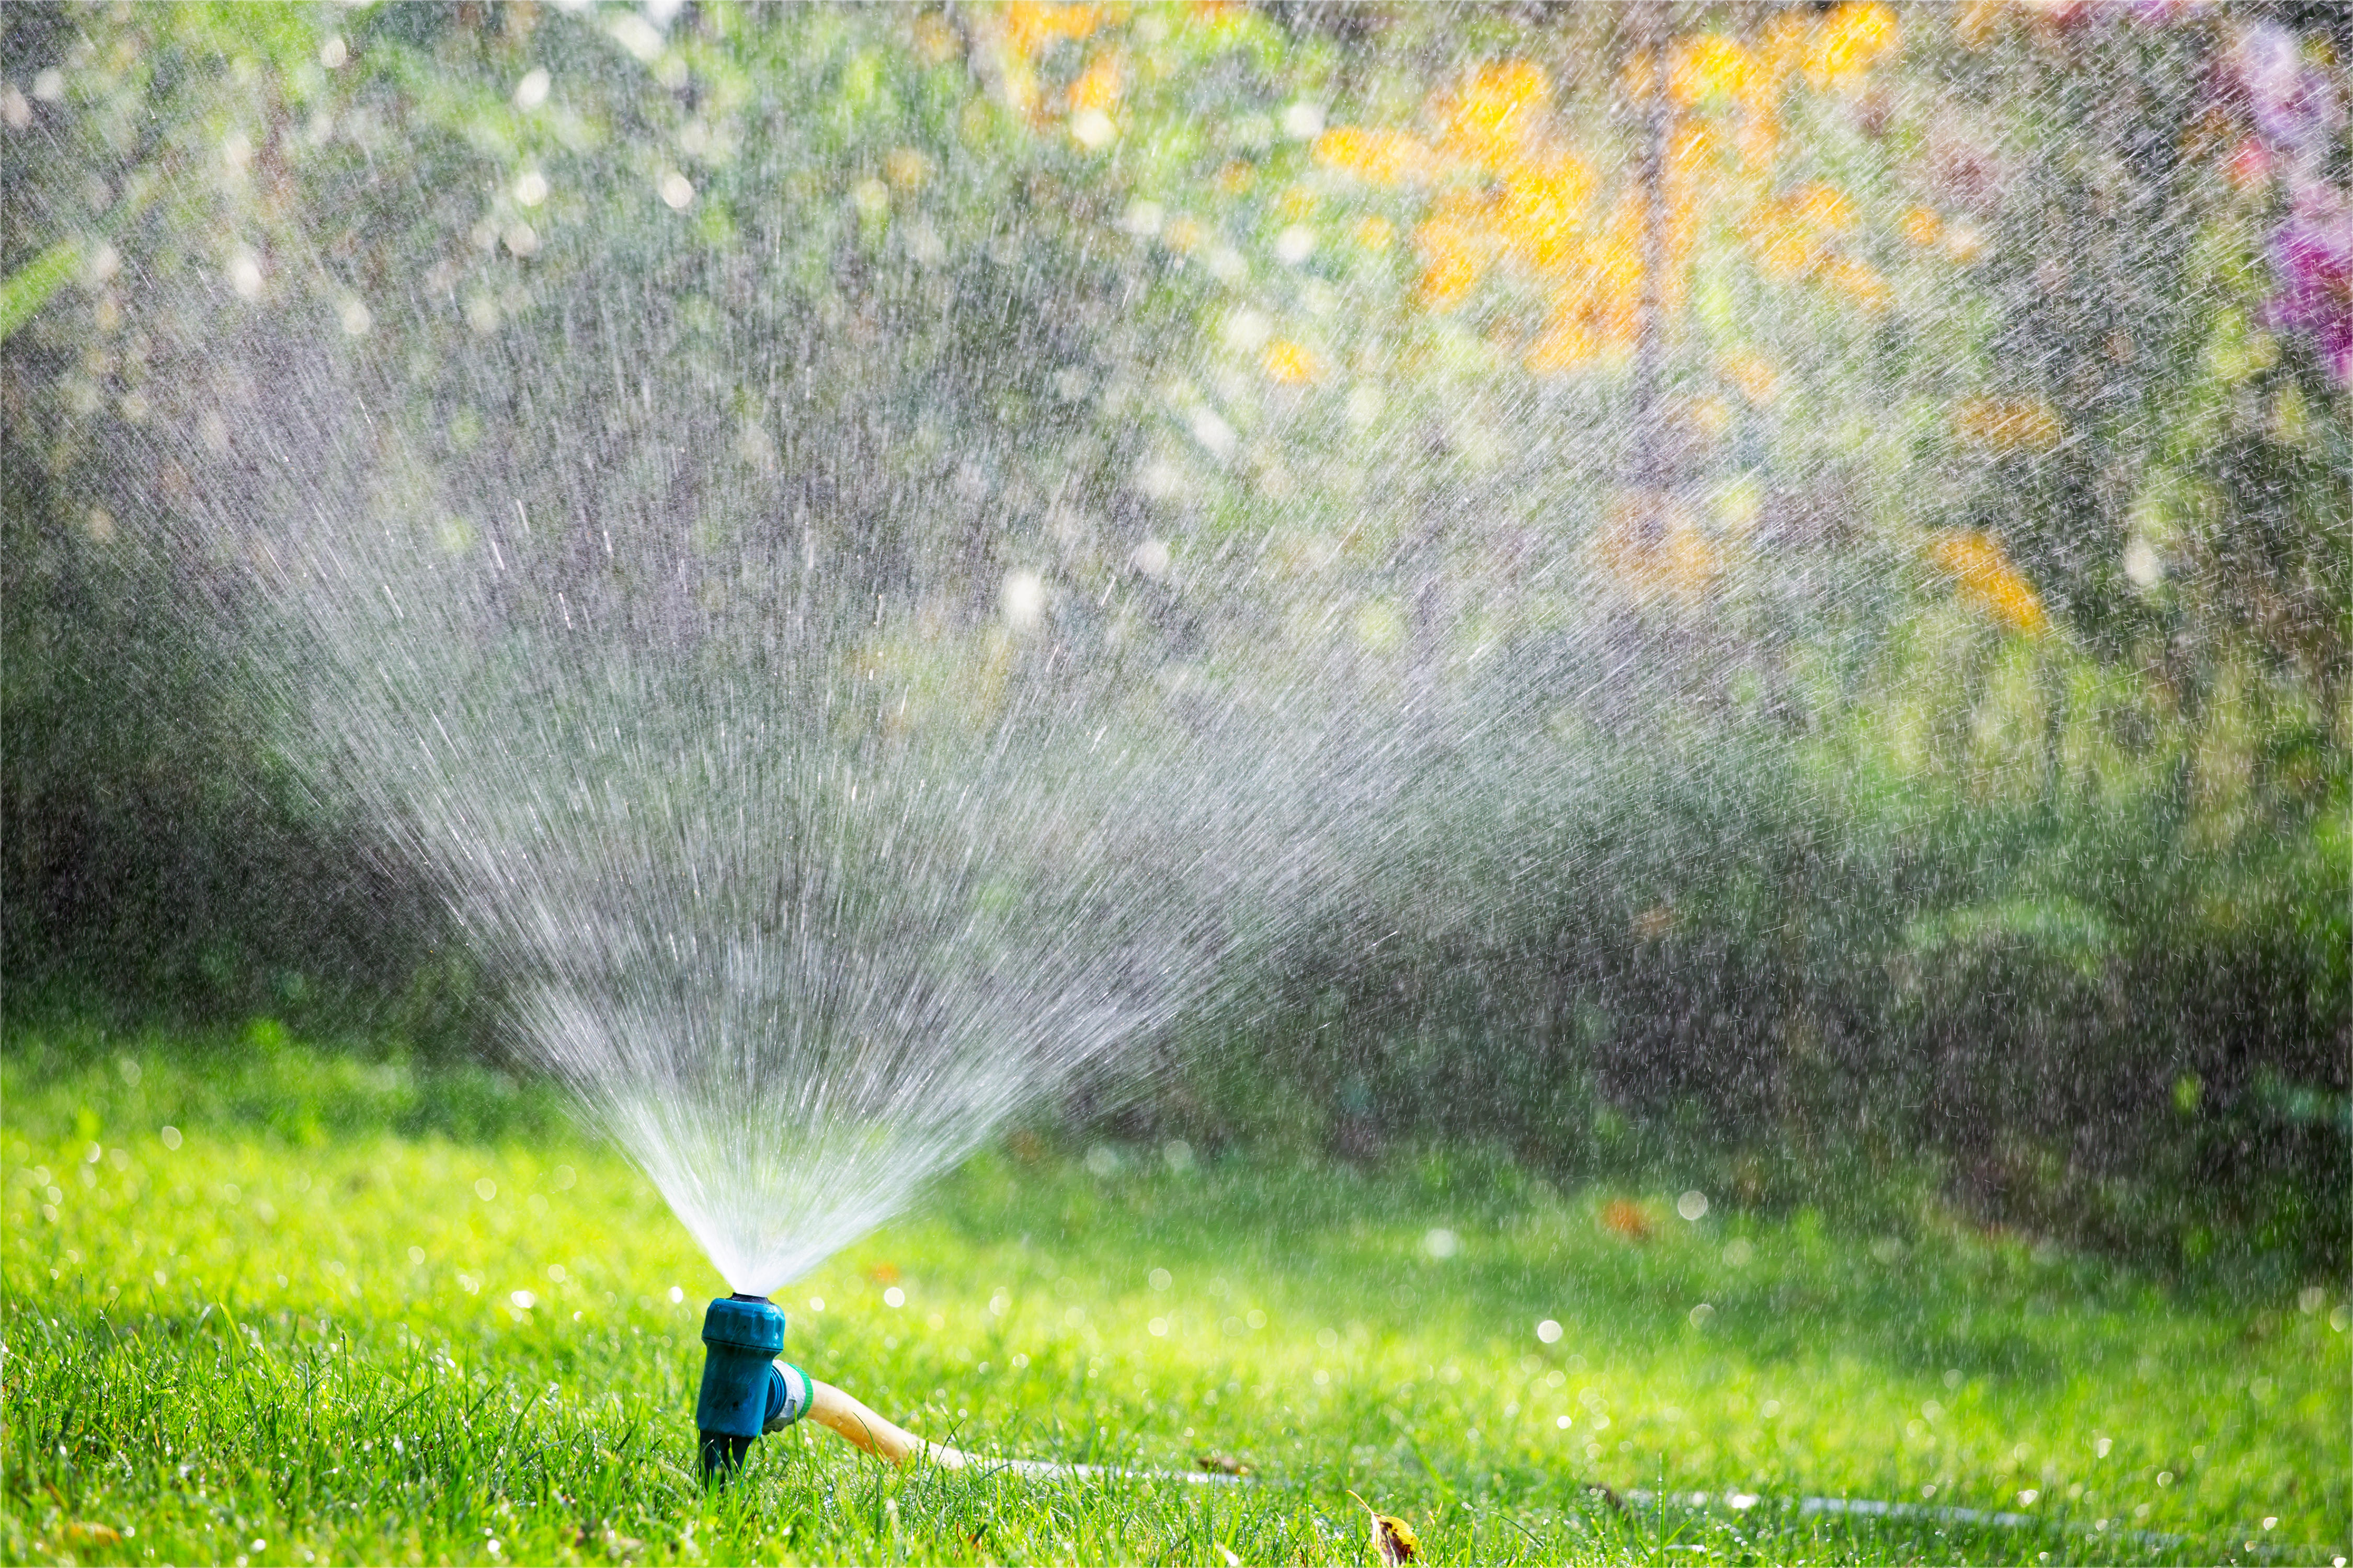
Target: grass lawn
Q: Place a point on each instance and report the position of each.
(341, 1311)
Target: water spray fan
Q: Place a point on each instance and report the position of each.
(745, 1390)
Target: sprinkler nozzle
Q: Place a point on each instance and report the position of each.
(745, 1390)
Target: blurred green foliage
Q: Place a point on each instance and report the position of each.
(1993, 784)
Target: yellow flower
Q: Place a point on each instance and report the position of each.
(1780, 48)
(1846, 42)
(1567, 343)
(1097, 87)
(1374, 233)
(1384, 157)
(1543, 205)
(2011, 424)
(1973, 22)
(1858, 283)
(1290, 363)
(1031, 24)
(1710, 66)
(1451, 262)
(1922, 227)
(1753, 377)
(1618, 270)
(1710, 418)
(1494, 113)
(1824, 208)
(1782, 248)
(1655, 549)
(1977, 563)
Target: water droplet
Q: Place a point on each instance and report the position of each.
(1022, 598)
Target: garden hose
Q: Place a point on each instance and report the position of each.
(746, 1392)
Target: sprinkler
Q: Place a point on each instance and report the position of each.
(745, 1390)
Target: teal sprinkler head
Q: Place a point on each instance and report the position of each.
(745, 1390)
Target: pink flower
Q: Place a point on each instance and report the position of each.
(2292, 101)
(2312, 260)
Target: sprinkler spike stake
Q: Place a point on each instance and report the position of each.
(746, 1390)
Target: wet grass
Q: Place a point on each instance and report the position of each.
(346, 1312)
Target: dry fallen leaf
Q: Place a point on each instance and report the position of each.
(1625, 1221)
(1394, 1542)
(1221, 1464)
(87, 1534)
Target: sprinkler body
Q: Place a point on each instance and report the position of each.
(746, 1390)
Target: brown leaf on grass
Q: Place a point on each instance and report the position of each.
(1624, 1220)
(1393, 1541)
(1221, 1465)
(87, 1534)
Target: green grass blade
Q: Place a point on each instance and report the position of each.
(28, 287)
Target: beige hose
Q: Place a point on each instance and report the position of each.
(831, 1407)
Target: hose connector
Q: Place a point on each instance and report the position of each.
(745, 1390)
